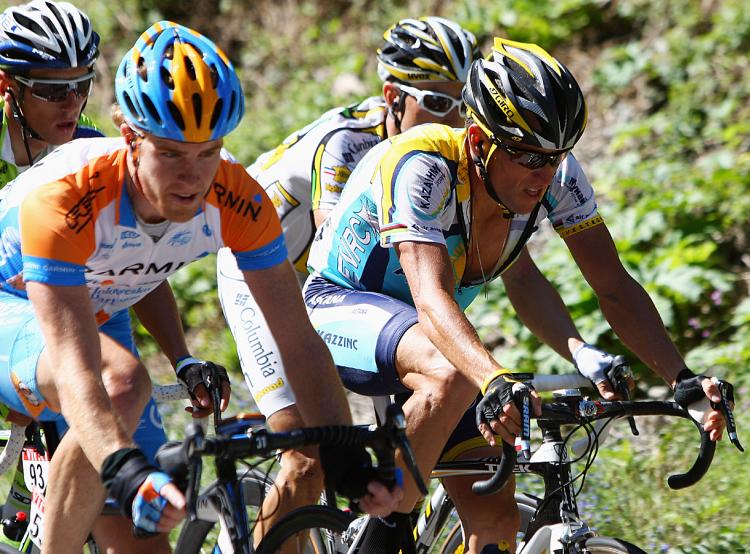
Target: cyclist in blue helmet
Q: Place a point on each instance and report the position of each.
(100, 227)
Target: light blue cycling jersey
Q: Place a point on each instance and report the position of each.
(415, 187)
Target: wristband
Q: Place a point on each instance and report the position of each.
(493, 376)
(185, 361)
(114, 462)
(122, 473)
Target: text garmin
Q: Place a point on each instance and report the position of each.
(141, 269)
(243, 206)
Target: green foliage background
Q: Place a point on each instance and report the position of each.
(667, 149)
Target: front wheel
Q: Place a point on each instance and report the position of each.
(200, 535)
(305, 530)
(607, 545)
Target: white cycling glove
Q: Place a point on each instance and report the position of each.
(592, 363)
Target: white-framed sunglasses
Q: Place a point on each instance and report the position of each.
(57, 90)
(436, 103)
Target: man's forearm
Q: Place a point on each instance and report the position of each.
(456, 338)
(73, 363)
(158, 313)
(541, 309)
(91, 416)
(635, 320)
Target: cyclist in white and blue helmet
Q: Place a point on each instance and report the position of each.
(47, 55)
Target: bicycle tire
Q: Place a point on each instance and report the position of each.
(453, 543)
(608, 545)
(312, 518)
(194, 535)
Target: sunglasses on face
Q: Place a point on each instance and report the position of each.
(528, 159)
(57, 90)
(436, 103)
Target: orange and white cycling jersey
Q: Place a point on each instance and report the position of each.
(69, 221)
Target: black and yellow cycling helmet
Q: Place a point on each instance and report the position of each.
(521, 95)
(427, 49)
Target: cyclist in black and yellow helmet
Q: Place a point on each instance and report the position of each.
(431, 216)
(423, 63)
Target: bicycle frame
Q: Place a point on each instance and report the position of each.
(556, 525)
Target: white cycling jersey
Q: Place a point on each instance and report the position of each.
(306, 172)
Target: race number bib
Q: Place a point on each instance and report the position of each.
(35, 469)
(35, 531)
(35, 472)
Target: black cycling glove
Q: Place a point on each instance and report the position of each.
(498, 392)
(688, 389)
(348, 470)
(193, 372)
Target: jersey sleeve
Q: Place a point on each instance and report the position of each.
(572, 200)
(249, 224)
(57, 225)
(414, 191)
(335, 158)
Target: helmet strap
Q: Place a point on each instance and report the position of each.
(477, 161)
(26, 131)
(400, 106)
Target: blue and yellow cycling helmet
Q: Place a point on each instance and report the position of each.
(177, 84)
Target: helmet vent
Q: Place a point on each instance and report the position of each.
(217, 112)
(214, 76)
(197, 108)
(189, 67)
(141, 69)
(169, 52)
(152, 111)
(176, 115)
(130, 106)
(30, 24)
(166, 76)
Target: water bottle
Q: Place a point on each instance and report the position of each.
(13, 529)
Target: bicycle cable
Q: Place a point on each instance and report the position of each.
(592, 449)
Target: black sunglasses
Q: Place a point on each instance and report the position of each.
(528, 159)
(57, 90)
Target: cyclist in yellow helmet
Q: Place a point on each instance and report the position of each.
(432, 215)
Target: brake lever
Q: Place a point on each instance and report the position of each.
(618, 376)
(726, 390)
(194, 445)
(522, 399)
(213, 384)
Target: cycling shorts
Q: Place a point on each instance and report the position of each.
(363, 330)
(21, 344)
